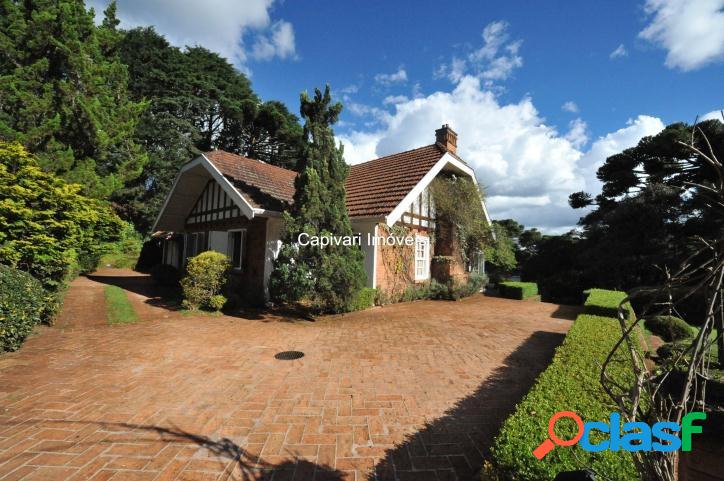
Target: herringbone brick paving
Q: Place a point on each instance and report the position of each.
(410, 391)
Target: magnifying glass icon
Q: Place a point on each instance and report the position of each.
(546, 446)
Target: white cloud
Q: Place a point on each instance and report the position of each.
(495, 60)
(391, 78)
(394, 99)
(619, 52)
(219, 25)
(692, 31)
(576, 134)
(715, 114)
(570, 106)
(613, 143)
(527, 167)
(279, 43)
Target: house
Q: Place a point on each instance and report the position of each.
(232, 204)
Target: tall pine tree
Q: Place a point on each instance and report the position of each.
(63, 93)
(329, 276)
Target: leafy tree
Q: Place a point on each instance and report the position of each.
(331, 276)
(649, 207)
(45, 224)
(500, 253)
(512, 228)
(64, 93)
(197, 101)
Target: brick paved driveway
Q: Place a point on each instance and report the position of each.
(411, 391)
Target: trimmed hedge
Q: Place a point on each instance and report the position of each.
(602, 302)
(570, 383)
(518, 290)
(364, 299)
(669, 328)
(22, 305)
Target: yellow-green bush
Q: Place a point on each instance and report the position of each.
(205, 276)
(46, 226)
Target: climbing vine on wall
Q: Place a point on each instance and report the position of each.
(397, 259)
(458, 202)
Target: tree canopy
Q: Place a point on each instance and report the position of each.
(64, 93)
(329, 276)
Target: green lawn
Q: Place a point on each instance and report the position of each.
(118, 308)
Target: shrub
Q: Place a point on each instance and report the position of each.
(205, 276)
(45, 223)
(217, 302)
(457, 290)
(518, 290)
(22, 304)
(165, 275)
(669, 328)
(602, 302)
(124, 253)
(365, 298)
(570, 383)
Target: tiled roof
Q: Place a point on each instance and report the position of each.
(373, 188)
(376, 187)
(263, 184)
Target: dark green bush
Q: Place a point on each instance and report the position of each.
(457, 290)
(670, 350)
(570, 383)
(669, 328)
(166, 275)
(602, 302)
(365, 298)
(518, 290)
(22, 304)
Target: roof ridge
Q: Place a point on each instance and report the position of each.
(260, 162)
(398, 153)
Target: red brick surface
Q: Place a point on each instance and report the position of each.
(409, 391)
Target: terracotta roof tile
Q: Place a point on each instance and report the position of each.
(264, 184)
(376, 187)
(373, 188)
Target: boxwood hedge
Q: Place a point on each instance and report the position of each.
(22, 305)
(602, 302)
(518, 290)
(570, 383)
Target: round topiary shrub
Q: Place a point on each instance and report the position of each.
(205, 276)
(669, 328)
(22, 304)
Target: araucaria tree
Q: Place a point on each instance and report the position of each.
(329, 277)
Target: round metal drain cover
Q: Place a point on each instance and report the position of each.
(288, 355)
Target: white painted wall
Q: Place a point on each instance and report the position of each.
(218, 240)
(370, 252)
(274, 227)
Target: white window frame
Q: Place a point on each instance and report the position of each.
(230, 248)
(425, 258)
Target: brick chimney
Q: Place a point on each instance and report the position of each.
(447, 138)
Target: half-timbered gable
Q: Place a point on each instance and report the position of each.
(232, 204)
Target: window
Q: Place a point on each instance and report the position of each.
(477, 263)
(195, 243)
(422, 258)
(237, 248)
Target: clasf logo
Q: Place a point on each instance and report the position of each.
(633, 436)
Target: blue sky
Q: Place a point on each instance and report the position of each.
(539, 92)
